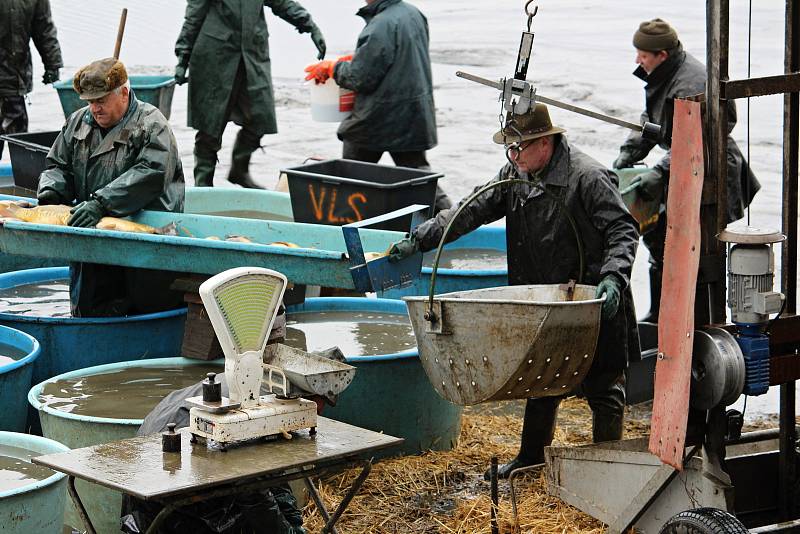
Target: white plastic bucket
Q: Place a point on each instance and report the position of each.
(329, 102)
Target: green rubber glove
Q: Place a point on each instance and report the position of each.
(51, 76)
(319, 41)
(611, 287)
(403, 249)
(86, 214)
(48, 197)
(624, 160)
(180, 71)
(650, 185)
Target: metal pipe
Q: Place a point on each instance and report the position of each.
(76, 499)
(354, 487)
(495, 499)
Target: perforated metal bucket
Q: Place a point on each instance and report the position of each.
(506, 343)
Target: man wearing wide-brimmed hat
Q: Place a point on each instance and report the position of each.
(672, 73)
(563, 182)
(114, 157)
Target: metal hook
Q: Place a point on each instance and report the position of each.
(531, 15)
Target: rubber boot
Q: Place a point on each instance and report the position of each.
(205, 159)
(538, 428)
(204, 171)
(244, 146)
(655, 294)
(607, 426)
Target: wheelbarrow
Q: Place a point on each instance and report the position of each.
(506, 343)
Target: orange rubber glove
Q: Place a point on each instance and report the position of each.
(320, 72)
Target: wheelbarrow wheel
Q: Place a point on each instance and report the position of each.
(703, 521)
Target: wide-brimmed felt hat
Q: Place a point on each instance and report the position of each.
(99, 78)
(526, 127)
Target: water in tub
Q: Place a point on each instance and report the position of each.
(127, 393)
(16, 469)
(9, 354)
(468, 259)
(355, 333)
(49, 298)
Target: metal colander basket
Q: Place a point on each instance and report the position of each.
(506, 342)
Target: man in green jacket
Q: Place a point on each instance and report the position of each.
(224, 45)
(21, 21)
(114, 157)
(390, 72)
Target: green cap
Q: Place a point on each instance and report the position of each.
(531, 125)
(655, 35)
(99, 78)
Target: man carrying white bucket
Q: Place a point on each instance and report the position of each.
(390, 72)
(541, 250)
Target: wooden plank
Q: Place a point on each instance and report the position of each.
(766, 85)
(681, 261)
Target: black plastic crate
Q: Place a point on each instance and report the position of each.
(28, 152)
(342, 191)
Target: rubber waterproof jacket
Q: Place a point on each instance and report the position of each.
(680, 76)
(134, 166)
(217, 35)
(541, 243)
(21, 21)
(391, 75)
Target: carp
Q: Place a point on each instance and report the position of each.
(59, 216)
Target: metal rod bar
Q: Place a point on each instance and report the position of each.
(766, 85)
(787, 526)
(787, 475)
(556, 103)
(318, 502)
(354, 487)
(514, 474)
(495, 497)
(76, 499)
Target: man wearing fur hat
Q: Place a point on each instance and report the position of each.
(670, 73)
(114, 157)
(563, 182)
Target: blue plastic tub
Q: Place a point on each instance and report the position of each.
(76, 431)
(15, 379)
(450, 280)
(390, 392)
(155, 90)
(38, 507)
(70, 343)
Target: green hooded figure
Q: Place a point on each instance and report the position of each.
(224, 45)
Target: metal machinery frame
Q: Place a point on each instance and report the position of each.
(785, 335)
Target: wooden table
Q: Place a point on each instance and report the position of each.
(138, 467)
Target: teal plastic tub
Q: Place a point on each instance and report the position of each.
(450, 280)
(391, 392)
(70, 343)
(15, 379)
(38, 507)
(78, 431)
(238, 202)
(5, 170)
(155, 90)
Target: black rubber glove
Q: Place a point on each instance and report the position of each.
(611, 287)
(180, 70)
(624, 160)
(50, 76)
(403, 249)
(48, 197)
(319, 42)
(86, 214)
(650, 185)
